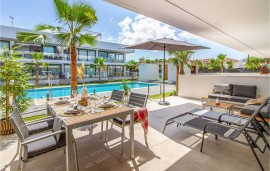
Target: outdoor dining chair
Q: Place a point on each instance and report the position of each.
(118, 96)
(136, 100)
(227, 128)
(37, 126)
(33, 146)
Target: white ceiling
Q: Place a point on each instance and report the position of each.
(240, 24)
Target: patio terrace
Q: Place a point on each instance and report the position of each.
(177, 149)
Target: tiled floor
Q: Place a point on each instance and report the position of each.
(177, 150)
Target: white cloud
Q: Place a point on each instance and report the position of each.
(110, 39)
(141, 29)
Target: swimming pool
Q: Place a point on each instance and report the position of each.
(65, 91)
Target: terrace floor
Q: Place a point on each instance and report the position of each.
(178, 149)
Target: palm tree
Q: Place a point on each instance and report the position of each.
(132, 65)
(36, 58)
(99, 64)
(213, 64)
(221, 59)
(74, 20)
(181, 60)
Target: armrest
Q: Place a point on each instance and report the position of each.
(34, 111)
(39, 121)
(42, 137)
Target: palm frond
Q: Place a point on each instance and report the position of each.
(33, 37)
(48, 28)
(63, 10)
(86, 38)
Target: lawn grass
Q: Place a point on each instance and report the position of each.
(32, 118)
(158, 96)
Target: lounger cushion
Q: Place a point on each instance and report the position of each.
(44, 145)
(249, 110)
(219, 96)
(39, 127)
(244, 91)
(239, 99)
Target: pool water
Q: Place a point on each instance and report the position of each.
(65, 91)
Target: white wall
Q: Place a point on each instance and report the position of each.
(171, 72)
(196, 86)
(148, 72)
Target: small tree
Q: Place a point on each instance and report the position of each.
(132, 65)
(15, 86)
(230, 64)
(213, 64)
(220, 60)
(254, 63)
(181, 60)
(99, 64)
(36, 58)
(200, 64)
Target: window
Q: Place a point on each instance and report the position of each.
(4, 44)
(82, 55)
(49, 49)
(111, 57)
(120, 57)
(103, 54)
(91, 55)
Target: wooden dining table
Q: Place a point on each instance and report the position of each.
(86, 118)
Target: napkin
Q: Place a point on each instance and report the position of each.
(106, 104)
(73, 111)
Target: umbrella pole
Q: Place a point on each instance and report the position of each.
(163, 102)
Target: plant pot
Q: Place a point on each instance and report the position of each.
(5, 127)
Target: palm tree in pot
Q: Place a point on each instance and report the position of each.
(75, 20)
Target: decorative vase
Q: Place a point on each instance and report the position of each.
(84, 93)
(217, 102)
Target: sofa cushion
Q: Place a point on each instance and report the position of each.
(220, 88)
(249, 110)
(239, 99)
(244, 90)
(219, 96)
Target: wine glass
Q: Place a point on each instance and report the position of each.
(74, 93)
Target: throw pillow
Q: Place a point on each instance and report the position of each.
(257, 101)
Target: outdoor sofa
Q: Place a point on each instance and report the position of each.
(233, 92)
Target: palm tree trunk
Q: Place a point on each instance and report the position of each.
(73, 67)
(182, 69)
(132, 73)
(36, 73)
(99, 75)
(177, 72)
(7, 100)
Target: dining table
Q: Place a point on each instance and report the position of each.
(84, 118)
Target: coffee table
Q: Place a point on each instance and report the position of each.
(222, 105)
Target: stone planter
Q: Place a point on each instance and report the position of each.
(5, 127)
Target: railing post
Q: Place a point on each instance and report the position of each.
(148, 91)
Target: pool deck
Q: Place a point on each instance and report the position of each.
(177, 149)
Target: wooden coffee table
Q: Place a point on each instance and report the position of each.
(222, 105)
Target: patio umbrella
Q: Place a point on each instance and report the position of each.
(165, 44)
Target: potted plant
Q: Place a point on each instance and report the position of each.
(14, 87)
(125, 86)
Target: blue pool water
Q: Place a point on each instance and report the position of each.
(65, 91)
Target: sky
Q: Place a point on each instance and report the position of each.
(116, 25)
